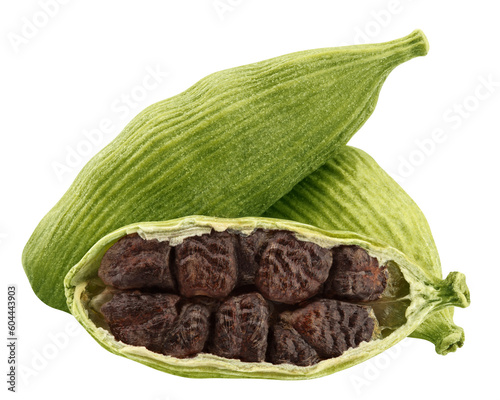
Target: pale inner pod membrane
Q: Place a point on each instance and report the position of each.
(259, 296)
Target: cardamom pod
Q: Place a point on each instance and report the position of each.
(230, 146)
(351, 192)
(251, 297)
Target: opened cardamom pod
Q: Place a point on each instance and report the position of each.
(229, 146)
(351, 192)
(250, 297)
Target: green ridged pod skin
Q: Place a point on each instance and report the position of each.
(352, 192)
(229, 146)
(425, 294)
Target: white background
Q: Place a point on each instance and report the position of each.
(71, 73)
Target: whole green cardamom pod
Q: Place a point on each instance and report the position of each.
(251, 297)
(351, 192)
(231, 145)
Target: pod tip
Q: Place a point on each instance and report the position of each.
(451, 342)
(421, 41)
(455, 282)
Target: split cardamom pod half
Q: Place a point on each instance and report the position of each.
(251, 297)
(229, 146)
(351, 192)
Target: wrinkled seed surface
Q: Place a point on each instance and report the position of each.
(355, 276)
(266, 296)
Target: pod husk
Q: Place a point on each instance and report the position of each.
(352, 192)
(229, 146)
(426, 294)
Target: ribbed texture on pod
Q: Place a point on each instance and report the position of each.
(351, 192)
(231, 145)
(440, 329)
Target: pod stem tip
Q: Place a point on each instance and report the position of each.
(421, 39)
(455, 290)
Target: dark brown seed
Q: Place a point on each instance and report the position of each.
(189, 333)
(241, 327)
(207, 265)
(288, 347)
(331, 327)
(355, 276)
(140, 319)
(251, 248)
(135, 263)
(291, 270)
